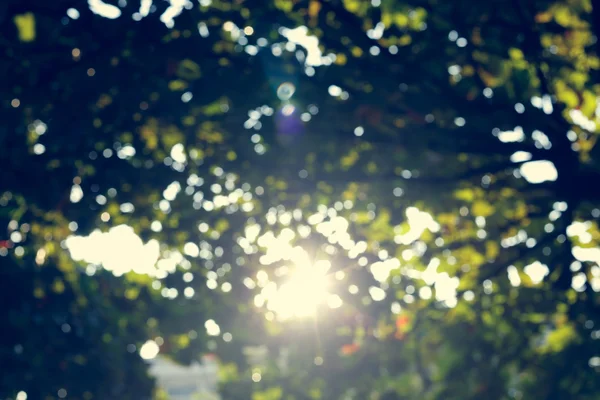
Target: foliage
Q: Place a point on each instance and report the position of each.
(437, 159)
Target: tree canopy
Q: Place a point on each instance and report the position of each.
(338, 199)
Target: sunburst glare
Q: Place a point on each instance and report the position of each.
(302, 293)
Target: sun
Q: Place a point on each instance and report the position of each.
(302, 293)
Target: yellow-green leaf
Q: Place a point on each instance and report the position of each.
(588, 106)
(58, 286)
(26, 27)
(560, 338)
(188, 69)
(515, 54)
(177, 85)
(401, 20)
(492, 250)
(465, 194)
(482, 208)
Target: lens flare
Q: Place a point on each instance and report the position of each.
(286, 90)
(302, 294)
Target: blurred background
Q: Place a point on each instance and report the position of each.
(299, 199)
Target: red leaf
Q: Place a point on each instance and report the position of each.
(349, 349)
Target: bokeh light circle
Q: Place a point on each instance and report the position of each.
(285, 91)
